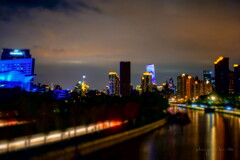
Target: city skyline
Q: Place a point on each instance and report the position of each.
(19, 53)
(91, 37)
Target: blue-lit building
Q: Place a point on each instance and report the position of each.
(16, 69)
(9, 54)
(150, 68)
(60, 94)
(114, 84)
(172, 85)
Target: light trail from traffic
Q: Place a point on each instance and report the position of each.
(54, 136)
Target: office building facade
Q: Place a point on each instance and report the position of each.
(151, 69)
(222, 75)
(9, 54)
(147, 85)
(14, 64)
(236, 79)
(114, 84)
(125, 78)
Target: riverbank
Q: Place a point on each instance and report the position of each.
(232, 112)
(84, 144)
(96, 145)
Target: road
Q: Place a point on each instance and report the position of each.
(211, 136)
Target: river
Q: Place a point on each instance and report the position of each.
(209, 136)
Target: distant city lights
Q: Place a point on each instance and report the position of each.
(229, 108)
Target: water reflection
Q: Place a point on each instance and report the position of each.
(209, 136)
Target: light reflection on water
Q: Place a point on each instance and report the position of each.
(210, 136)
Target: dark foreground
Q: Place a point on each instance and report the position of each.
(210, 136)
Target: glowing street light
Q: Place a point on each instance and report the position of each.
(213, 98)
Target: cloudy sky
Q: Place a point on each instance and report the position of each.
(71, 38)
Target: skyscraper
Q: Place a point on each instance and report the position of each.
(147, 85)
(231, 82)
(172, 85)
(16, 63)
(125, 78)
(151, 69)
(181, 86)
(196, 88)
(222, 75)
(114, 84)
(236, 79)
(189, 87)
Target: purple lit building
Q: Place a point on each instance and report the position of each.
(151, 69)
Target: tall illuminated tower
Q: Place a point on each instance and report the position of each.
(189, 87)
(114, 84)
(151, 69)
(236, 79)
(147, 85)
(125, 78)
(16, 63)
(222, 75)
(182, 86)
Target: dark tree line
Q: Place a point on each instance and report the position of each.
(45, 113)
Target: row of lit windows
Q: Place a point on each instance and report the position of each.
(12, 68)
(17, 64)
(7, 69)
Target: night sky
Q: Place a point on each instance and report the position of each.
(71, 38)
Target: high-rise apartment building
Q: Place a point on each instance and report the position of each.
(181, 86)
(222, 75)
(147, 85)
(114, 84)
(125, 78)
(189, 87)
(196, 88)
(201, 88)
(208, 87)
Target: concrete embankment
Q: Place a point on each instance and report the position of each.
(231, 112)
(96, 145)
